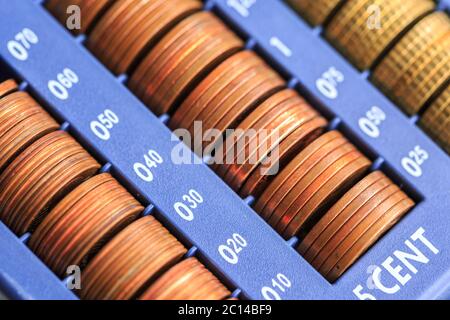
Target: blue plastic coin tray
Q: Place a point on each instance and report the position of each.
(412, 261)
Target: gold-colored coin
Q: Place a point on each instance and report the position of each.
(418, 65)
(363, 29)
(436, 120)
(315, 11)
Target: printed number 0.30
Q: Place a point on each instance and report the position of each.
(190, 201)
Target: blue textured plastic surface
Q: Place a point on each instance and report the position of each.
(223, 213)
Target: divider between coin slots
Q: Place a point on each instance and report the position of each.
(217, 218)
(339, 89)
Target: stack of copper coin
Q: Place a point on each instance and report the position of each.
(228, 94)
(436, 119)
(313, 180)
(418, 65)
(188, 280)
(41, 176)
(283, 124)
(84, 220)
(131, 261)
(7, 87)
(181, 59)
(315, 11)
(353, 224)
(22, 122)
(363, 29)
(131, 27)
(89, 11)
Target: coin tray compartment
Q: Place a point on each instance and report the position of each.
(23, 275)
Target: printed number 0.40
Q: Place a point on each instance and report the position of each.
(144, 170)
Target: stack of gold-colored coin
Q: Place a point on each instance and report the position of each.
(66, 11)
(84, 220)
(315, 11)
(418, 65)
(130, 27)
(353, 224)
(436, 120)
(188, 280)
(363, 29)
(181, 59)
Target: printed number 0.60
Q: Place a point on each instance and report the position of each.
(234, 246)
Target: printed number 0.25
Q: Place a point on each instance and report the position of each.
(414, 161)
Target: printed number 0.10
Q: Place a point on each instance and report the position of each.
(144, 170)
(234, 246)
(190, 201)
(279, 285)
(104, 123)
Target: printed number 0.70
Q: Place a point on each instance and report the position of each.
(234, 246)
(22, 43)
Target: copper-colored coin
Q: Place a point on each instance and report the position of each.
(380, 224)
(90, 10)
(418, 65)
(84, 220)
(288, 113)
(133, 27)
(7, 87)
(228, 94)
(320, 163)
(436, 120)
(352, 201)
(131, 261)
(22, 122)
(41, 176)
(322, 192)
(187, 280)
(281, 117)
(315, 11)
(363, 29)
(277, 189)
(347, 220)
(181, 59)
(288, 149)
